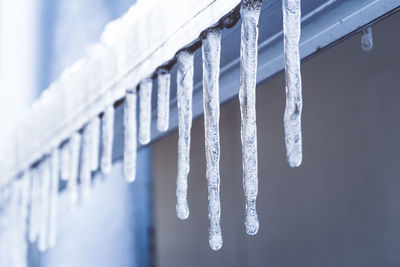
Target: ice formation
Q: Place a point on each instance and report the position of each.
(163, 84)
(211, 50)
(72, 184)
(107, 129)
(294, 102)
(145, 111)
(54, 184)
(184, 95)
(65, 161)
(44, 204)
(367, 41)
(85, 174)
(94, 143)
(34, 205)
(130, 136)
(250, 13)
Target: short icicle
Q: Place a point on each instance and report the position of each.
(107, 128)
(85, 174)
(44, 204)
(294, 102)
(54, 164)
(163, 84)
(250, 13)
(65, 161)
(184, 95)
(34, 205)
(72, 184)
(94, 143)
(130, 135)
(145, 110)
(211, 50)
(367, 41)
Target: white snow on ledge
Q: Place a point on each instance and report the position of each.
(132, 47)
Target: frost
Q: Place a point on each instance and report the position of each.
(130, 135)
(184, 95)
(294, 102)
(145, 111)
(250, 12)
(211, 62)
(163, 83)
(107, 128)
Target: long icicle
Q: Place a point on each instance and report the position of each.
(184, 95)
(130, 136)
(250, 13)
(107, 128)
(145, 111)
(367, 41)
(163, 83)
(85, 174)
(44, 204)
(53, 197)
(294, 102)
(65, 161)
(94, 143)
(34, 205)
(211, 50)
(72, 185)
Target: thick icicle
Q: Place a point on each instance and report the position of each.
(145, 111)
(294, 102)
(163, 83)
(94, 143)
(211, 61)
(367, 41)
(250, 12)
(44, 204)
(184, 95)
(65, 161)
(54, 164)
(107, 128)
(130, 136)
(34, 206)
(72, 185)
(85, 174)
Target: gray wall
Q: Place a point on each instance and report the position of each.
(340, 208)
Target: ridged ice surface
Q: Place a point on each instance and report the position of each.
(145, 111)
(184, 94)
(54, 182)
(130, 136)
(85, 164)
(65, 161)
(94, 143)
(250, 12)
(107, 129)
(44, 204)
(211, 50)
(367, 41)
(34, 205)
(72, 184)
(163, 91)
(294, 102)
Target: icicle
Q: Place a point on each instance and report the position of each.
(65, 161)
(34, 206)
(85, 174)
(145, 111)
(211, 61)
(94, 143)
(72, 186)
(250, 12)
(107, 128)
(294, 102)
(54, 164)
(184, 95)
(163, 82)
(25, 200)
(130, 134)
(367, 41)
(44, 204)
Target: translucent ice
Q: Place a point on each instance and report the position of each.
(85, 174)
(184, 95)
(94, 143)
(163, 83)
(65, 161)
(294, 102)
(367, 41)
(250, 12)
(211, 49)
(107, 126)
(72, 185)
(34, 205)
(130, 136)
(44, 204)
(145, 111)
(54, 182)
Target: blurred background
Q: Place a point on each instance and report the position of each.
(340, 208)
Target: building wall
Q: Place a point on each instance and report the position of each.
(340, 208)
